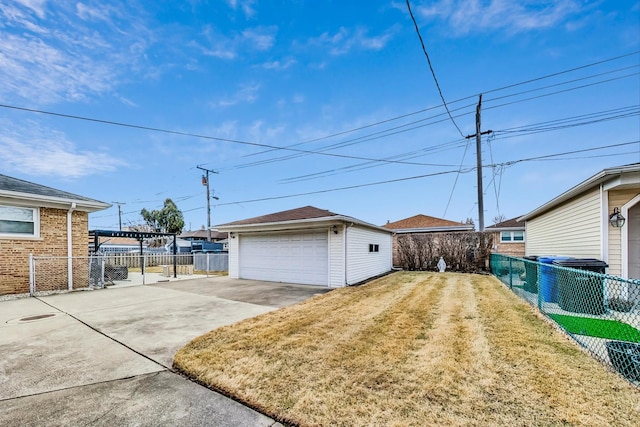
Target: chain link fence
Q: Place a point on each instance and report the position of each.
(53, 274)
(599, 311)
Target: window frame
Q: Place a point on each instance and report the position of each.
(512, 238)
(35, 221)
(373, 248)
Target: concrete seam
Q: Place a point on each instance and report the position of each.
(78, 386)
(107, 336)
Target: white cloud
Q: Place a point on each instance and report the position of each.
(345, 40)
(245, 5)
(42, 151)
(71, 60)
(465, 16)
(246, 94)
(227, 47)
(279, 65)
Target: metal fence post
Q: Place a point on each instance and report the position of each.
(510, 273)
(144, 263)
(208, 257)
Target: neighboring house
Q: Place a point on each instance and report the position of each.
(39, 220)
(577, 222)
(308, 246)
(422, 224)
(203, 234)
(508, 237)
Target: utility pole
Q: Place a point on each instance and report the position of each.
(478, 136)
(205, 181)
(119, 213)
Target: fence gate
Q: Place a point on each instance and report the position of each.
(50, 274)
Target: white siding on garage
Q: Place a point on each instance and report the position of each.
(362, 264)
(234, 272)
(573, 229)
(295, 257)
(336, 258)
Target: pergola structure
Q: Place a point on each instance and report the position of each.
(139, 236)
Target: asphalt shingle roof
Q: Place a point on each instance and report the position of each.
(306, 212)
(509, 223)
(8, 183)
(421, 221)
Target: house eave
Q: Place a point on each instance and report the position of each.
(298, 224)
(597, 179)
(36, 200)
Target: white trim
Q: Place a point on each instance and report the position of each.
(30, 199)
(296, 224)
(604, 224)
(524, 236)
(625, 235)
(24, 236)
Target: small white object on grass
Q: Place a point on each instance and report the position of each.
(442, 265)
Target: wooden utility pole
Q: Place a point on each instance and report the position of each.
(205, 179)
(119, 213)
(478, 136)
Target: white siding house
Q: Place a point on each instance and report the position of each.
(576, 223)
(307, 246)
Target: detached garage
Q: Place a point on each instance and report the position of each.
(308, 246)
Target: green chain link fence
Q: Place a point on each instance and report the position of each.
(599, 311)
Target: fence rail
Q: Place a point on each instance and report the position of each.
(50, 274)
(601, 312)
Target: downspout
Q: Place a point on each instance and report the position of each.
(70, 246)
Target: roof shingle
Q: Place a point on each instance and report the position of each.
(306, 212)
(422, 221)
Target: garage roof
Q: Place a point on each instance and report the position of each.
(299, 216)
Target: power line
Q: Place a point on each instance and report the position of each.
(466, 170)
(470, 97)
(433, 73)
(189, 134)
(386, 132)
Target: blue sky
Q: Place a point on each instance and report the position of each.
(331, 99)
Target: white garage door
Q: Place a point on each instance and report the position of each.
(291, 257)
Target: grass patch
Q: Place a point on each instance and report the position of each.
(600, 328)
(410, 349)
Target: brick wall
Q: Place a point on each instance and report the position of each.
(515, 249)
(14, 253)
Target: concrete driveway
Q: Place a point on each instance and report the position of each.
(104, 357)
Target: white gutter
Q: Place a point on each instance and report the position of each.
(70, 246)
(39, 200)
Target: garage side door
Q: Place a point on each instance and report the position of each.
(291, 257)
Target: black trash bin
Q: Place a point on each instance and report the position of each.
(579, 292)
(625, 357)
(531, 275)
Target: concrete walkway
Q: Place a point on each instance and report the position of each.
(104, 357)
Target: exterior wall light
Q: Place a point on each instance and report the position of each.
(232, 235)
(616, 219)
(335, 229)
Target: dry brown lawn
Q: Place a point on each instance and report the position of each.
(411, 349)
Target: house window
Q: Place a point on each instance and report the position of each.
(19, 222)
(374, 248)
(512, 236)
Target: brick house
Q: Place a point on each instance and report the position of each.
(508, 237)
(39, 220)
(423, 224)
